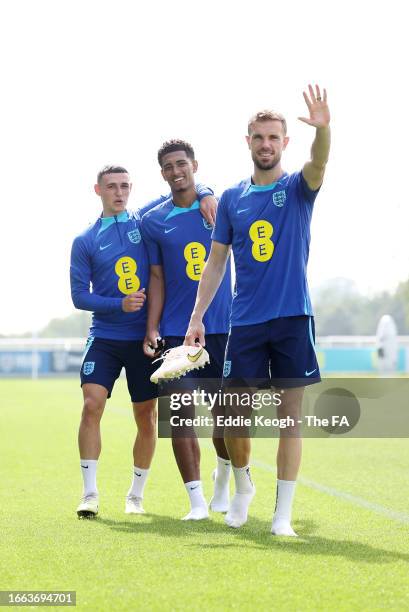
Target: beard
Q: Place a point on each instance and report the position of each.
(267, 165)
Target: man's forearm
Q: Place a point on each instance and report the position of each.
(156, 300)
(84, 300)
(320, 147)
(212, 276)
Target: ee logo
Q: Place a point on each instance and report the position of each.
(260, 233)
(195, 254)
(128, 282)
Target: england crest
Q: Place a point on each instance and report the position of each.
(226, 368)
(135, 236)
(88, 367)
(207, 225)
(279, 198)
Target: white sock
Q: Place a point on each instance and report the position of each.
(242, 477)
(89, 476)
(238, 510)
(195, 492)
(138, 483)
(222, 472)
(284, 500)
(221, 494)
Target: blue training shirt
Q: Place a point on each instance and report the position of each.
(179, 239)
(111, 256)
(269, 230)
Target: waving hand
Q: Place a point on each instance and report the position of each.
(317, 107)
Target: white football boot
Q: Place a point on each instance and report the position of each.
(133, 505)
(179, 360)
(88, 507)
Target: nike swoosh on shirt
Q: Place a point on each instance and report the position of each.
(242, 210)
(194, 358)
(309, 373)
(170, 230)
(102, 248)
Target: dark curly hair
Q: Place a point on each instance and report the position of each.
(175, 145)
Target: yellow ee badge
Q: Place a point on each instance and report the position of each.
(260, 233)
(195, 254)
(128, 282)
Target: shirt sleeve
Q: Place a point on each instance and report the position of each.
(203, 191)
(309, 194)
(147, 207)
(223, 230)
(153, 248)
(80, 277)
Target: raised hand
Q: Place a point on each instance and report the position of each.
(317, 107)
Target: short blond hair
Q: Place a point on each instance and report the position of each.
(267, 115)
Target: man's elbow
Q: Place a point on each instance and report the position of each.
(156, 273)
(77, 301)
(314, 175)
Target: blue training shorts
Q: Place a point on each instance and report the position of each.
(104, 360)
(278, 353)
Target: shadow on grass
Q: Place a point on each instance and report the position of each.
(255, 534)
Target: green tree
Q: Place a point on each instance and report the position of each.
(341, 310)
(75, 325)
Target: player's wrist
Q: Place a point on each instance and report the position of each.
(196, 319)
(152, 334)
(152, 327)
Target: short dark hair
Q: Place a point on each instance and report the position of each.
(175, 145)
(110, 170)
(267, 115)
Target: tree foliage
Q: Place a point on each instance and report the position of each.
(75, 325)
(340, 309)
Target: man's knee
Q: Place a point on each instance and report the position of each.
(291, 403)
(187, 446)
(93, 409)
(146, 417)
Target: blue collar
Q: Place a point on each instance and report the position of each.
(178, 210)
(251, 188)
(108, 221)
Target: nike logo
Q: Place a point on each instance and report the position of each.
(309, 373)
(194, 358)
(85, 466)
(242, 210)
(136, 474)
(193, 488)
(170, 230)
(102, 248)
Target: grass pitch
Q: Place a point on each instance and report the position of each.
(351, 512)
